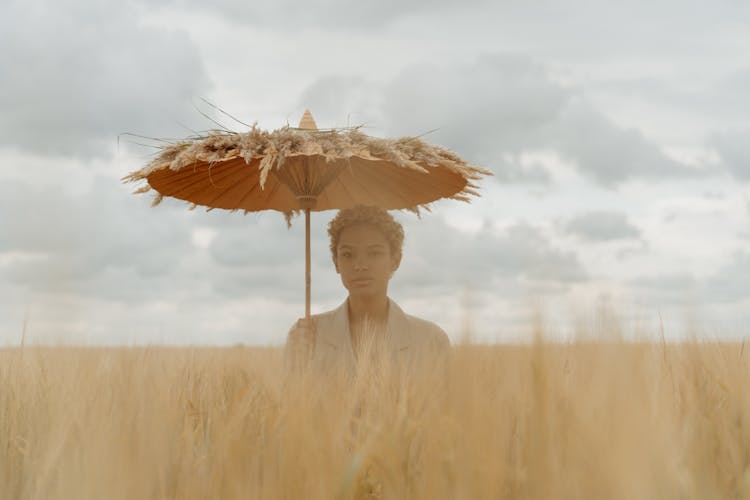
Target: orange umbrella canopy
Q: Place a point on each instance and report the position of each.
(296, 168)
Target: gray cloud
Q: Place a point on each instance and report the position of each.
(262, 257)
(608, 153)
(730, 282)
(69, 243)
(667, 289)
(341, 15)
(510, 169)
(720, 100)
(601, 226)
(76, 73)
(340, 100)
(494, 109)
(675, 296)
(438, 258)
(718, 104)
(498, 103)
(267, 241)
(667, 282)
(733, 148)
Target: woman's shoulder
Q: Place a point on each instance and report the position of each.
(425, 330)
(323, 317)
(328, 318)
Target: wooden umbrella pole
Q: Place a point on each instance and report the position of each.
(307, 264)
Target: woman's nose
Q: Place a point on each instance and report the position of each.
(360, 264)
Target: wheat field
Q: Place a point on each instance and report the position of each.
(599, 420)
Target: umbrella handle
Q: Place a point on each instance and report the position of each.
(307, 264)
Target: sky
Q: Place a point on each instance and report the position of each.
(618, 134)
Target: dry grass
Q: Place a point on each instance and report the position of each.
(585, 420)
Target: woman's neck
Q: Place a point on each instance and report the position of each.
(373, 309)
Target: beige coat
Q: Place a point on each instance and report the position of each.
(407, 338)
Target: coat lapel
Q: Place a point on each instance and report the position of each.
(398, 332)
(342, 338)
(334, 350)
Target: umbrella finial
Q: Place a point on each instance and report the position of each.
(307, 122)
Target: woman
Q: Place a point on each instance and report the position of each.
(366, 245)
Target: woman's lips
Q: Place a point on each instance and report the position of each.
(362, 281)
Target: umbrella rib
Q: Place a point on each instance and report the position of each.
(392, 197)
(430, 180)
(271, 192)
(190, 191)
(184, 172)
(236, 172)
(250, 191)
(345, 188)
(191, 179)
(388, 176)
(323, 198)
(359, 174)
(231, 170)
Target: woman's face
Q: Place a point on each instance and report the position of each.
(364, 260)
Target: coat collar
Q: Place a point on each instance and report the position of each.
(398, 334)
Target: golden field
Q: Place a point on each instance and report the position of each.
(598, 420)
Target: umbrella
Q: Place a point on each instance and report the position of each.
(306, 169)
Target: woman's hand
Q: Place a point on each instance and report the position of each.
(301, 339)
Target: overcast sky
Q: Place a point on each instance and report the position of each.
(618, 133)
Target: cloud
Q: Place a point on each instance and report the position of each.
(77, 73)
(725, 286)
(495, 109)
(440, 259)
(341, 100)
(258, 244)
(261, 257)
(608, 153)
(602, 226)
(57, 241)
(733, 148)
(341, 15)
(667, 282)
(707, 114)
(730, 282)
(495, 103)
(667, 289)
(511, 168)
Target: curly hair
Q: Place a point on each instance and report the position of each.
(381, 219)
